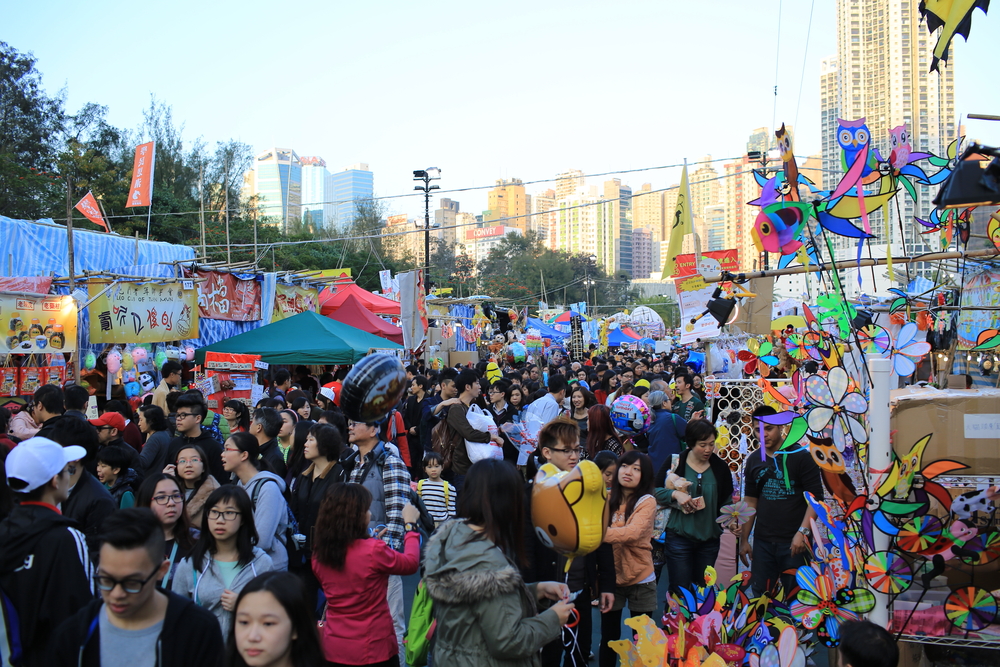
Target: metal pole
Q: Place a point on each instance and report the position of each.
(201, 204)
(229, 255)
(427, 234)
(879, 459)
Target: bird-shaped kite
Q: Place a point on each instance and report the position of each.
(954, 16)
(784, 138)
(778, 226)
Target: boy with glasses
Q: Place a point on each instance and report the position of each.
(190, 413)
(134, 623)
(45, 569)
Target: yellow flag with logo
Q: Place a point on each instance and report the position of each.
(681, 226)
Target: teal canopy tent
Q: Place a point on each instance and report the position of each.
(306, 338)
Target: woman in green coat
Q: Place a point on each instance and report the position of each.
(486, 615)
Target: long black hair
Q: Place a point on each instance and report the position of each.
(645, 486)
(246, 442)
(287, 589)
(144, 498)
(242, 412)
(493, 497)
(205, 470)
(246, 536)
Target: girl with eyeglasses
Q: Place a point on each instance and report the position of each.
(225, 558)
(190, 467)
(164, 494)
(237, 415)
(692, 538)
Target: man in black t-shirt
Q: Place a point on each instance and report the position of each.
(775, 487)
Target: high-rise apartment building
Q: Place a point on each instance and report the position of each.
(648, 212)
(318, 210)
(829, 112)
(446, 219)
(543, 216)
(882, 73)
(740, 187)
(715, 227)
(508, 203)
(353, 183)
(618, 223)
(404, 239)
(580, 226)
(642, 252)
(276, 180)
(568, 183)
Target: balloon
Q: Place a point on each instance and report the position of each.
(189, 353)
(373, 387)
(128, 363)
(90, 361)
(114, 361)
(493, 372)
(631, 415)
(139, 354)
(569, 509)
(132, 389)
(159, 359)
(518, 351)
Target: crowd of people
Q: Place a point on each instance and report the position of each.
(279, 534)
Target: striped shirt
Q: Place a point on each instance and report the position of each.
(433, 495)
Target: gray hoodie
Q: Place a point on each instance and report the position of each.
(270, 515)
(206, 588)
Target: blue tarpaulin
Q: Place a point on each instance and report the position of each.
(545, 329)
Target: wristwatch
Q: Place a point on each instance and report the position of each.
(408, 527)
(805, 531)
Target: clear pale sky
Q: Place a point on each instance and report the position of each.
(481, 90)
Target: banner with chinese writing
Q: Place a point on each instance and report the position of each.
(693, 294)
(729, 260)
(140, 193)
(88, 206)
(233, 377)
(292, 299)
(44, 324)
(223, 296)
(129, 313)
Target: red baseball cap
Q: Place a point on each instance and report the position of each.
(112, 419)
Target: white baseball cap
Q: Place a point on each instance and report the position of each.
(328, 392)
(37, 460)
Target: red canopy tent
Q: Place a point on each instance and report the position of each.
(631, 334)
(334, 296)
(353, 313)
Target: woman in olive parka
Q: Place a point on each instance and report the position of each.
(486, 615)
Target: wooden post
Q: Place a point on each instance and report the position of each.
(72, 268)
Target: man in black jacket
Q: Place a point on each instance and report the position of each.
(191, 411)
(45, 569)
(265, 426)
(47, 407)
(134, 620)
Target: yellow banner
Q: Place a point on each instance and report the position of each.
(681, 225)
(40, 324)
(291, 300)
(129, 313)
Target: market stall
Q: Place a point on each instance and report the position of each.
(354, 313)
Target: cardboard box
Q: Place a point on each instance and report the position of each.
(462, 358)
(965, 425)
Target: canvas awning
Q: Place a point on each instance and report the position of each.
(354, 313)
(334, 296)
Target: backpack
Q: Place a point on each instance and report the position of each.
(445, 486)
(11, 652)
(294, 547)
(443, 439)
(420, 629)
(425, 524)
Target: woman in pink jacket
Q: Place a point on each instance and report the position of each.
(353, 569)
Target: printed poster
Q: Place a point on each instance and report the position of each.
(693, 294)
(291, 300)
(223, 296)
(149, 313)
(729, 260)
(44, 324)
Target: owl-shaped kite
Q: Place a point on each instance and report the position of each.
(855, 140)
(784, 138)
(899, 147)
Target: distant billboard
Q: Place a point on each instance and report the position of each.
(484, 233)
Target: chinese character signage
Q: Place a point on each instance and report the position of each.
(223, 296)
(42, 324)
(88, 206)
(729, 260)
(291, 300)
(140, 193)
(147, 313)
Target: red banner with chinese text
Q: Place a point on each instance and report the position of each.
(223, 296)
(140, 193)
(88, 206)
(729, 260)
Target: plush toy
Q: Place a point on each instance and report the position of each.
(189, 353)
(113, 361)
(569, 510)
(677, 483)
(132, 390)
(89, 361)
(139, 354)
(493, 373)
(147, 382)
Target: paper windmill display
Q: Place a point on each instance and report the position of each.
(888, 572)
(874, 339)
(833, 404)
(819, 607)
(758, 357)
(735, 515)
(907, 352)
(970, 608)
(803, 346)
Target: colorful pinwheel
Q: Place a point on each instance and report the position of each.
(832, 402)
(888, 572)
(759, 357)
(819, 607)
(803, 346)
(920, 534)
(970, 608)
(735, 515)
(874, 338)
(907, 352)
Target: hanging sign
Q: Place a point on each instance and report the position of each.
(140, 193)
(43, 324)
(291, 300)
(729, 260)
(693, 294)
(129, 313)
(223, 296)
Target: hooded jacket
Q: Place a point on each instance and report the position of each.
(46, 572)
(127, 483)
(89, 503)
(206, 587)
(486, 615)
(189, 637)
(270, 515)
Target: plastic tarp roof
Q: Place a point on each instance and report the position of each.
(334, 296)
(545, 329)
(628, 332)
(306, 338)
(354, 313)
(618, 337)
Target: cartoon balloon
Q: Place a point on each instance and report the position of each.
(631, 415)
(114, 361)
(128, 363)
(89, 361)
(189, 353)
(159, 359)
(569, 509)
(139, 354)
(373, 387)
(518, 351)
(493, 372)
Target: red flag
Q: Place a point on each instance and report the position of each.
(88, 206)
(141, 191)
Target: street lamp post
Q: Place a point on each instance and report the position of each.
(426, 176)
(587, 282)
